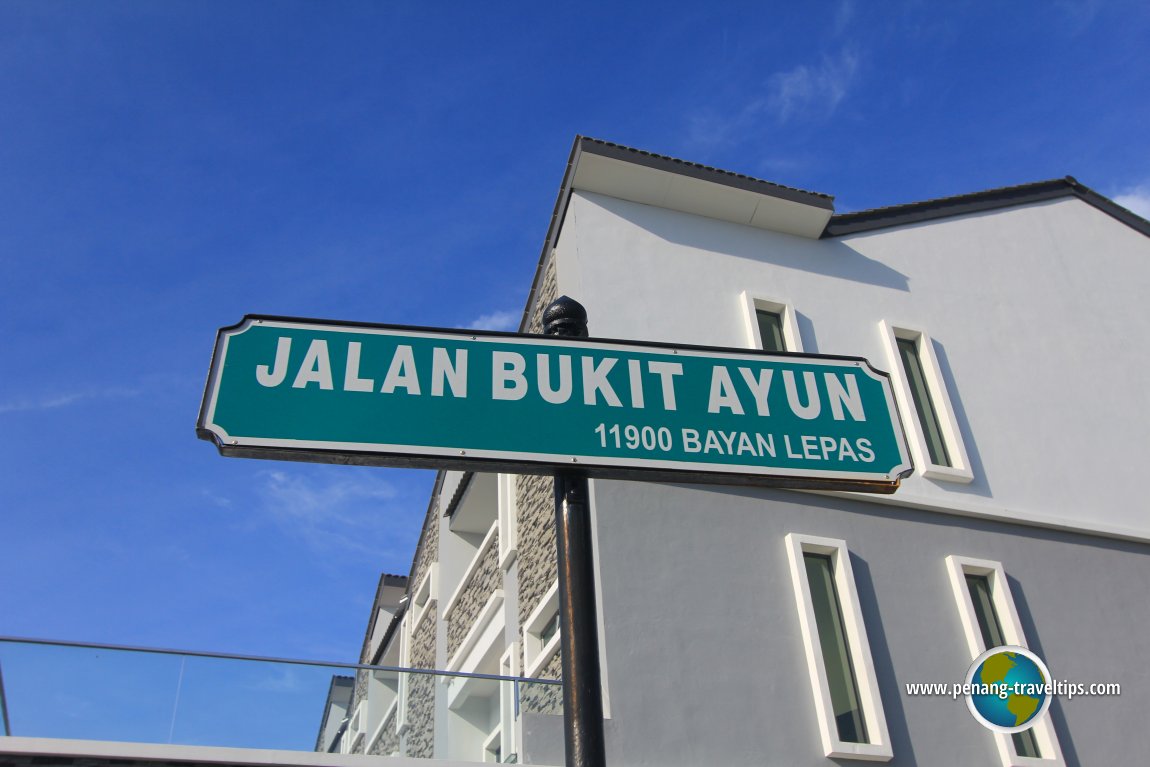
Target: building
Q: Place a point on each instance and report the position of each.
(749, 626)
(335, 714)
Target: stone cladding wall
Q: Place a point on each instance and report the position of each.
(487, 578)
(545, 698)
(535, 504)
(388, 741)
(430, 551)
(421, 690)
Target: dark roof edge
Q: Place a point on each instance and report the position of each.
(460, 491)
(553, 228)
(388, 635)
(385, 580)
(704, 172)
(583, 144)
(335, 680)
(978, 202)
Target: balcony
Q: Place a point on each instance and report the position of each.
(107, 704)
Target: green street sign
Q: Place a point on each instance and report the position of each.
(388, 395)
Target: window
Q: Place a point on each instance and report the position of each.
(833, 643)
(541, 634)
(989, 619)
(771, 330)
(771, 325)
(924, 403)
(549, 630)
(847, 702)
(424, 596)
(1025, 743)
(988, 625)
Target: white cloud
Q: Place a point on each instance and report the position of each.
(64, 400)
(219, 500)
(843, 16)
(278, 679)
(502, 320)
(1136, 199)
(812, 91)
(338, 512)
(807, 91)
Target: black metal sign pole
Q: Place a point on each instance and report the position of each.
(578, 621)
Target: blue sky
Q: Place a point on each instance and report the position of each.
(167, 167)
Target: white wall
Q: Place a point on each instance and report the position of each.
(1035, 311)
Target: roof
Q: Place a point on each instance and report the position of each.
(978, 202)
(340, 692)
(386, 581)
(703, 172)
(665, 182)
(585, 150)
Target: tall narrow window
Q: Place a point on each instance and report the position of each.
(923, 404)
(1025, 743)
(989, 619)
(772, 325)
(836, 654)
(847, 702)
(771, 330)
(988, 625)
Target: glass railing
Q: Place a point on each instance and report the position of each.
(79, 691)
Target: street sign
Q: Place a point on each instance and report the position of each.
(388, 395)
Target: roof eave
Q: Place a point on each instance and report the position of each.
(665, 182)
(979, 202)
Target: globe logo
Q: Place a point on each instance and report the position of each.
(1008, 688)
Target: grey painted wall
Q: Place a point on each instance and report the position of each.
(705, 649)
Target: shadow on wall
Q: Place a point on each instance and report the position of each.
(981, 484)
(1057, 717)
(883, 666)
(830, 258)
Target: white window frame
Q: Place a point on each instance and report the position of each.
(957, 569)
(424, 597)
(879, 748)
(536, 652)
(356, 728)
(752, 304)
(509, 703)
(401, 723)
(508, 526)
(960, 470)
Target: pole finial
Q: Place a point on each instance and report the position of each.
(565, 317)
